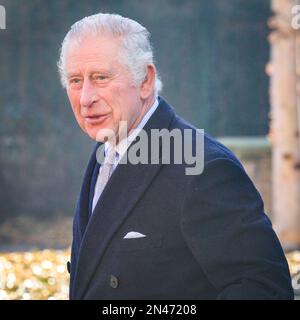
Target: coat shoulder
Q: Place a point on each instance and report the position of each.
(213, 149)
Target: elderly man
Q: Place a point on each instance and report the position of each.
(150, 230)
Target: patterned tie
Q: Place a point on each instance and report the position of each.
(105, 172)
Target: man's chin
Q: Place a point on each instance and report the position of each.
(101, 135)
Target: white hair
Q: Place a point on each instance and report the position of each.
(137, 52)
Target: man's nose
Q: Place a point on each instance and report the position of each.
(88, 94)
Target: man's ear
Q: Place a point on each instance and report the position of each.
(148, 83)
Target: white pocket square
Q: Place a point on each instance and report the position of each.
(133, 235)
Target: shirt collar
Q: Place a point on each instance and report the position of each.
(122, 147)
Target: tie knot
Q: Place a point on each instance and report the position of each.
(107, 155)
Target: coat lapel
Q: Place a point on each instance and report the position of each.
(116, 202)
(83, 202)
(81, 216)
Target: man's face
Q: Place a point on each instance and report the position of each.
(100, 88)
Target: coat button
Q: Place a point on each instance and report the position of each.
(114, 282)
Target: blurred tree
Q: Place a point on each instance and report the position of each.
(284, 132)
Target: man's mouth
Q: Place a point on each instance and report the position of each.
(96, 119)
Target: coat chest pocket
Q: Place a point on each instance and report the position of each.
(148, 242)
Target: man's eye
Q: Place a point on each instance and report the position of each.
(100, 78)
(75, 80)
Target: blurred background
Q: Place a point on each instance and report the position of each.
(230, 67)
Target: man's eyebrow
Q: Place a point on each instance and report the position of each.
(77, 74)
(73, 74)
(108, 72)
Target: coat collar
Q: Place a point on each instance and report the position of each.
(110, 212)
